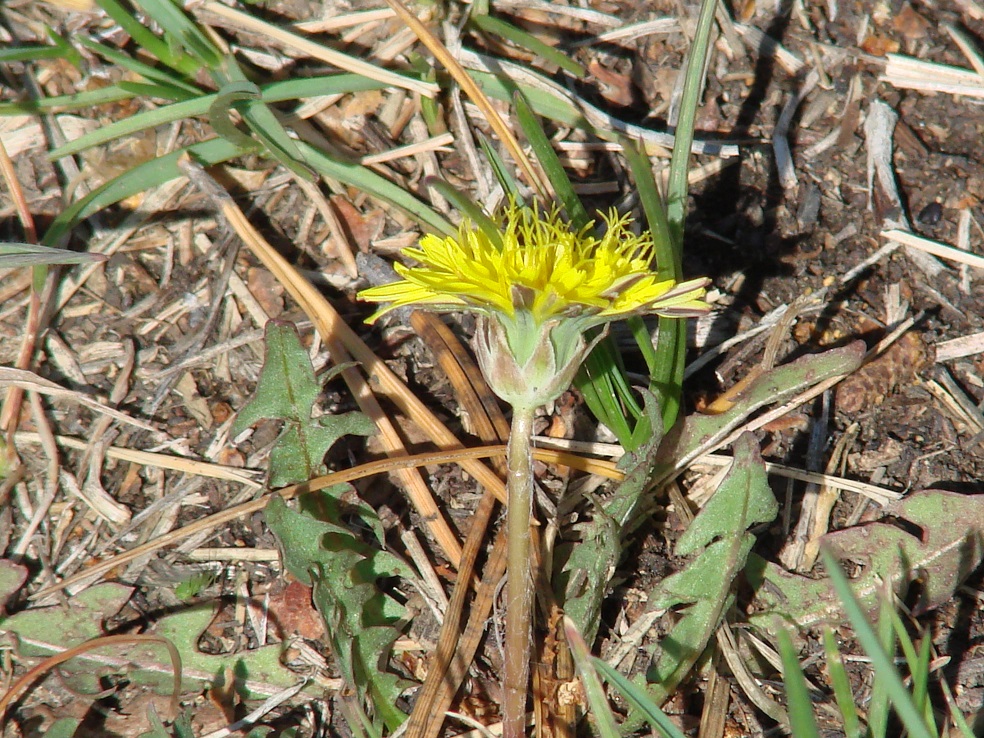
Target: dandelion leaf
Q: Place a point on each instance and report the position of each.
(287, 391)
(698, 432)
(720, 541)
(63, 728)
(362, 622)
(932, 537)
(587, 567)
(12, 578)
(43, 631)
(48, 630)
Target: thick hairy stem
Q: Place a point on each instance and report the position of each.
(519, 583)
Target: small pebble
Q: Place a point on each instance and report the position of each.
(931, 215)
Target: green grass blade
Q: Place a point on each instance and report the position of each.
(598, 380)
(598, 399)
(140, 122)
(548, 100)
(217, 150)
(63, 103)
(154, 74)
(430, 107)
(799, 705)
(958, 719)
(543, 104)
(636, 695)
(244, 95)
(671, 345)
(528, 41)
(155, 91)
(142, 177)
(59, 49)
(654, 207)
(218, 111)
(879, 704)
(71, 53)
(920, 683)
(899, 632)
(147, 40)
(918, 661)
(676, 190)
(666, 362)
(600, 710)
(183, 30)
(501, 171)
(644, 340)
(329, 84)
(885, 672)
(16, 255)
(643, 429)
(641, 433)
(373, 184)
(30, 53)
(667, 377)
(469, 208)
(261, 120)
(607, 365)
(201, 105)
(550, 162)
(841, 686)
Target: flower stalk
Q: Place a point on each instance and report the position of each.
(519, 581)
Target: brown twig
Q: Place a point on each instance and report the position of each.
(456, 647)
(465, 457)
(10, 414)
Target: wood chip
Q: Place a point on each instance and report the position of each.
(942, 250)
(908, 73)
(194, 403)
(767, 46)
(97, 499)
(632, 32)
(882, 186)
(957, 348)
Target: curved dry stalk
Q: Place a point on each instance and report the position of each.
(10, 412)
(467, 458)
(21, 685)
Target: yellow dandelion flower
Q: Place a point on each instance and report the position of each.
(537, 286)
(542, 267)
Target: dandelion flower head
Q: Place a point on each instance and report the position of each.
(537, 285)
(539, 266)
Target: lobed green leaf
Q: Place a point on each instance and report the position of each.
(287, 391)
(361, 621)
